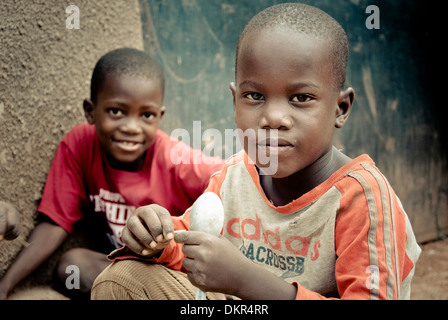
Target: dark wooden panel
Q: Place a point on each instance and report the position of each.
(397, 117)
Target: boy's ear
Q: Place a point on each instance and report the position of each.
(345, 103)
(233, 89)
(88, 110)
(162, 111)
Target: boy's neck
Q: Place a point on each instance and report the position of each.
(282, 191)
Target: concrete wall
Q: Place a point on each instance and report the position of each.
(45, 72)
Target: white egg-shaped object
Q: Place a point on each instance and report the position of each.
(207, 214)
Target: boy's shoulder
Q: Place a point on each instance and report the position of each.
(363, 179)
(80, 140)
(239, 157)
(81, 131)
(361, 168)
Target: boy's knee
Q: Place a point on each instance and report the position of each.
(67, 274)
(137, 280)
(72, 257)
(118, 282)
(79, 267)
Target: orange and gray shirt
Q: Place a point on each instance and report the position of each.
(349, 237)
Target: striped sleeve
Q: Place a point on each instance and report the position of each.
(375, 245)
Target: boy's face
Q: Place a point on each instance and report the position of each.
(284, 81)
(126, 116)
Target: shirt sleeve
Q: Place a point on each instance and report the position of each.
(376, 250)
(371, 239)
(64, 198)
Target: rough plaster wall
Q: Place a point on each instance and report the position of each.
(45, 72)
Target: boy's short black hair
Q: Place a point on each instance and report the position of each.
(307, 20)
(125, 61)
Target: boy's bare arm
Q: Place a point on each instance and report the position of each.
(215, 264)
(44, 240)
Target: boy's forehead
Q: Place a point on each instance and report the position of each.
(127, 78)
(118, 81)
(273, 44)
(125, 85)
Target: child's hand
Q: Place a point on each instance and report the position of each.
(9, 221)
(213, 264)
(149, 230)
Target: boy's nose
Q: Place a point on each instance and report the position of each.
(276, 115)
(131, 126)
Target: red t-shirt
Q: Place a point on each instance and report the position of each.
(81, 182)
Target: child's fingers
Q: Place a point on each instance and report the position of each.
(159, 222)
(132, 243)
(167, 223)
(190, 237)
(149, 228)
(139, 231)
(181, 237)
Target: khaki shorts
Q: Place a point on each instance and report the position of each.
(138, 280)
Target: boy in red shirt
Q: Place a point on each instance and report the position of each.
(105, 169)
(321, 226)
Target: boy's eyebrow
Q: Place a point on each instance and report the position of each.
(301, 85)
(118, 103)
(124, 105)
(298, 85)
(249, 83)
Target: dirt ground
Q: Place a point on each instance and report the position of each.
(431, 273)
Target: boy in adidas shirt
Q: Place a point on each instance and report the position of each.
(321, 226)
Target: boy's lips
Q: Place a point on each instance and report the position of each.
(127, 145)
(275, 145)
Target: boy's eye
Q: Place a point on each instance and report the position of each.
(301, 98)
(149, 115)
(115, 112)
(254, 96)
